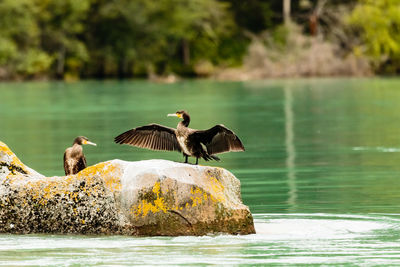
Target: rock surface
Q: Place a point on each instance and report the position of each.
(152, 197)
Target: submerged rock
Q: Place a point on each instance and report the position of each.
(152, 197)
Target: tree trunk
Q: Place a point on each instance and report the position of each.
(122, 67)
(286, 12)
(61, 62)
(313, 21)
(185, 52)
(314, 17)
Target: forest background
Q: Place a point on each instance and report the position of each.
(223, 39)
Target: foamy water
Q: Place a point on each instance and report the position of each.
(280, 239)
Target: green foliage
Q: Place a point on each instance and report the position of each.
(86, 38)
(33, 62)
(8, 50)
(280, 36)
(379, 23)
(123, 38)
(19, 38)
(151, 35)
(253, 15)
(61, 24)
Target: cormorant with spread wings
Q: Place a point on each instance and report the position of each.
(195, 143)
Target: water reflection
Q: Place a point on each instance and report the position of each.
(290, 147)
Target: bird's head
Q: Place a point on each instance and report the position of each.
(180, 114)
(82, 140)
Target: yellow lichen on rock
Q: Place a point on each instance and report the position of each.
(155, 206)
(110, 173)
(215, 193)
(216, 188)
(15, 161)
(156, 188)
(44, 190)
(197, 196)
(4, 148)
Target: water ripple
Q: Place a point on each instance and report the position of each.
(282, 239)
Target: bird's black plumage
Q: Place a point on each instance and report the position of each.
(74, 159)
(152, 136)
(196, 143)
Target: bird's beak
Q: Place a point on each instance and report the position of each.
(172, 115)
(90, 143)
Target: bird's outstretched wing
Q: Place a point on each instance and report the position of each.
(218, 139)
(152, 136)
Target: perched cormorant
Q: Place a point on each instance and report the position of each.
(74, 160)
(196, 143)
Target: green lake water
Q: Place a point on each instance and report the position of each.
(320, 173)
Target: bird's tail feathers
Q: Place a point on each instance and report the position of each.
(210, 157)
(215, 158)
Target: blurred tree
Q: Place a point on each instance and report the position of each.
(20, 52)
(252, 15)
(61, 24)
(124, 38)
(379, 22)
(147, 36)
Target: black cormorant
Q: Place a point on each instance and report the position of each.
(196, 143)
(74, 160)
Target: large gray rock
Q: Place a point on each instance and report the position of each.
(153, 197)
